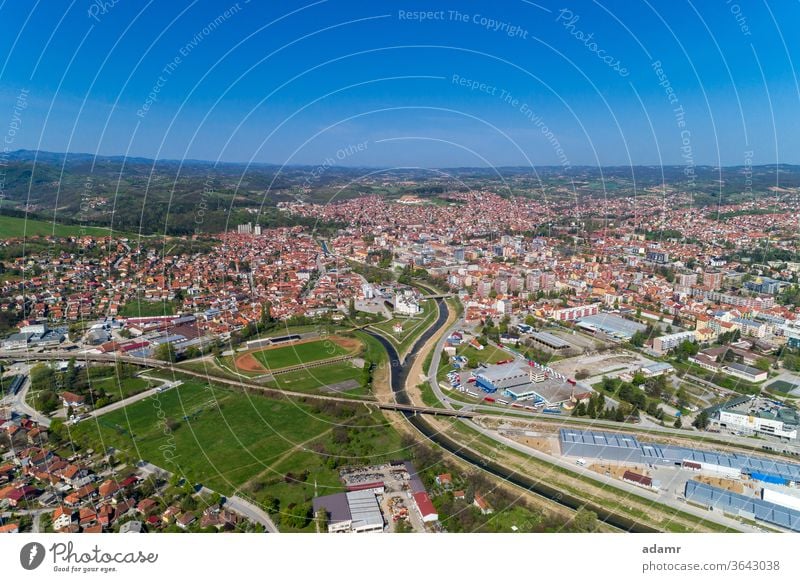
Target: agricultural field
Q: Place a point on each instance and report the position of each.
(272, 450)
(15, 227)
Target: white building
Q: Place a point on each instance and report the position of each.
(406, 304)
(750, 424)
(665, 343)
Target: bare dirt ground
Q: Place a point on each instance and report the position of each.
(617, 471)
(728, 484)
(247, 362)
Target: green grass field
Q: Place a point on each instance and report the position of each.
(121, 389)
(312, 379)
(228, 440)
(488, 355)
(295, 354)
(208, 425)
(145, 308)
(14, 227)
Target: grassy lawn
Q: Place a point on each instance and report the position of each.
(488, 355)
(14, 227)
(229, 440)
(413, 327)
(121, 389)
(145, 308)
(312, 379)
(293, 355)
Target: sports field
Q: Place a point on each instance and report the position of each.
(303, 352)
(339, 377)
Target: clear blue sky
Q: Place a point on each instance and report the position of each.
(293, 82)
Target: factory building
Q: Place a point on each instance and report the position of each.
(351, 512)
(747, 507)
(626, 448)
(548, 341)
(600, 445)
(503, 376)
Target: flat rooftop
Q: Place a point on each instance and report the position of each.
(503, 371)
(603, 439)
(364, 508)
(550, 340)
(613, 324)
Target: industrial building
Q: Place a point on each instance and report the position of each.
(548, 341)
(351, 512)
(503, 376)
(626, 448)
(741, 505)
(600, 445)
(611, 325)
(755, 415)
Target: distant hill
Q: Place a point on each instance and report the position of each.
(184, 197)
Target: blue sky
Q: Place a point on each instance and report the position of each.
(497, 83)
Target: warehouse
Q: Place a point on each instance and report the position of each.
(625, 448)
(548, 391)
(352, 512)
(784, 497)
(502, 376)
(612, 325)
(748, 507)
(600, 445)
(548, 341)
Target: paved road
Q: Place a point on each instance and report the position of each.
(18, 404)
(166, 385)
(234, 503)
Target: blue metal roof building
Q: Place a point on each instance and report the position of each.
(742, 505)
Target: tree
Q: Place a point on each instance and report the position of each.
(165, 352)
(678, 423)
(584, 521)
(763, 364)
(702, 421)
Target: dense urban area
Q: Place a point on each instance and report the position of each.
(415, 354)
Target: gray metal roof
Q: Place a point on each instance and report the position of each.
(549, 339)
(603, 439)
(504, 371)
(364, 508)
(734, 502)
